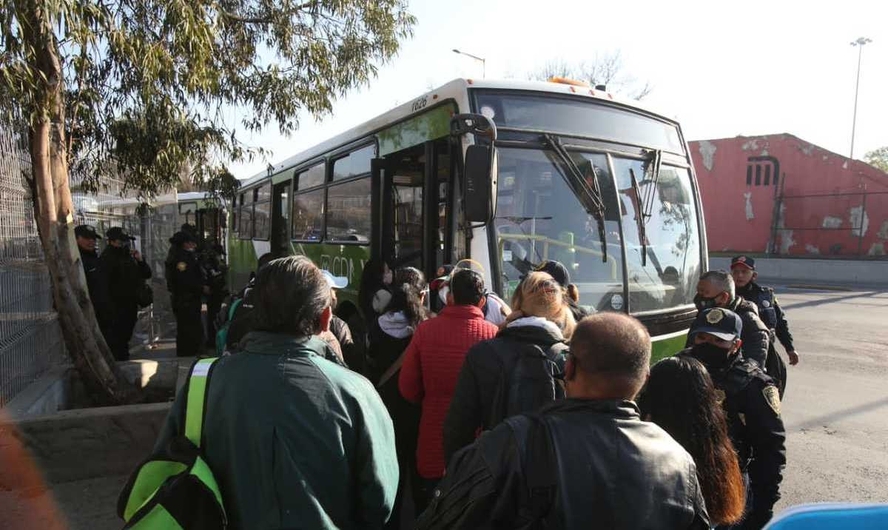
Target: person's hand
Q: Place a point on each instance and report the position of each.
(793, 357)
(137, 255)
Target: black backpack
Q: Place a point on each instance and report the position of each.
(535, 380)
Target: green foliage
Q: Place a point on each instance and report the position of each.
(878, 158)
(604, 69)
(150, 86)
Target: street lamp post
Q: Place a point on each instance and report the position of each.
(859, 43)
(483, 61)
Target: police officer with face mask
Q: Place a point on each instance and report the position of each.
(752, 405)
(745, 276)
(716, 289)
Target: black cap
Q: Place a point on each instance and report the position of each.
(183, 236)
(722, 323)
(743, 261)
(556, 270)
(86, 231)
(117, 234)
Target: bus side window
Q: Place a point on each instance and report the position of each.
(245, 226)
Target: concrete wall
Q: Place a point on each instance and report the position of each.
(741, 177)
(78, 444)
(862, 273)
(60, 389)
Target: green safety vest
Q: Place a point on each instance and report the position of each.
(177, 490)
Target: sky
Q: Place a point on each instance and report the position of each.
(721, 69)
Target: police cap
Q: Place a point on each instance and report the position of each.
(86, 231)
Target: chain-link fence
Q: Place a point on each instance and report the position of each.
(30, 337)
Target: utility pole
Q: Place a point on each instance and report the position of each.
(859, 43)
(483, 61)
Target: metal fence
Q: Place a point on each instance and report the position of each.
(31, 341)
(30, 337)
(849, 224)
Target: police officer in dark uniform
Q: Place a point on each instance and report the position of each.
(752, 406)
(187, 284)
(745, 276)
(96, 277)
(127, 272)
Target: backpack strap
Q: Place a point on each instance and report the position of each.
(557, 355)
(195, 404)
(540, 467)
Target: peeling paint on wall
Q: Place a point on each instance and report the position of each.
(807, 149)
(707, 150)
(878, 249)
(832, 222)
(845, 165)
(883, 231)
(786, 241)
(749, 215)
(751, 144)
(785, 236)
(859, 221)
(811, 249)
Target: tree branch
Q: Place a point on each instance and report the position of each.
(268, 18)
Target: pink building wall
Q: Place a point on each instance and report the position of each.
(831, 206)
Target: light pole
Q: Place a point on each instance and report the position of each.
(483, 61)
(859, 43)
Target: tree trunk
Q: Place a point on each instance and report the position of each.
(53, 208)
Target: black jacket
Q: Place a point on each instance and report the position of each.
(611, 470)
(755, 335)
(487, 365)
(185, 276)
(770, 312)
(388, 340)
(99, 291)
(578, 311)
(350, 352)
(756, 429)
(125, 276)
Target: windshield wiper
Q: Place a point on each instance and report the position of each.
(590, 196)
(639, 218)
(653, 162)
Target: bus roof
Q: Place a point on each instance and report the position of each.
(455, 90)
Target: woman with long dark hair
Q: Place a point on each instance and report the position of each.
(681, 399)
(388, 341)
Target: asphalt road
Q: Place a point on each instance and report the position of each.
(836, 403)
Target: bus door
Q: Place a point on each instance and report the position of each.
(280, 219)
(415, 197)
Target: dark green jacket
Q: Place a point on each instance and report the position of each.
(294, 440)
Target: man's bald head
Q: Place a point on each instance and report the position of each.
(612, 347)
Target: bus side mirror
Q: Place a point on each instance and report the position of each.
(478, 183)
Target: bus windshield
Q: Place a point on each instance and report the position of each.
(539, 217)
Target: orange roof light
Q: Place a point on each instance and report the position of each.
(566, 81)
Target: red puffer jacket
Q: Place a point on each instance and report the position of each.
(428, 376)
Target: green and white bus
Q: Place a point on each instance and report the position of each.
(508, 174)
